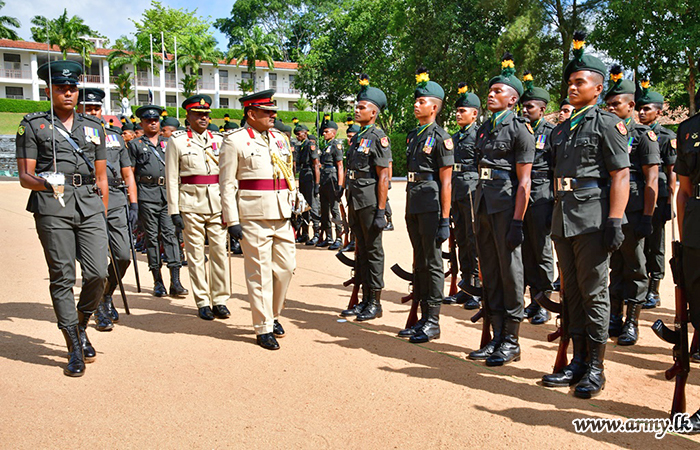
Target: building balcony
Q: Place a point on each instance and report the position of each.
(97, 79)
(16, 74)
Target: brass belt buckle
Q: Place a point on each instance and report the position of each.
(565, 184)
(161, 181)
(411, 177)
(485, 173)
(457, 167)
(351, 174)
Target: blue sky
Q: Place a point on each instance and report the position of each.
(109, 17)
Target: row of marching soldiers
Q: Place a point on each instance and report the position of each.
(598, 184)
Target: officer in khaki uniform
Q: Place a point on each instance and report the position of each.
(194, 204)
(65, 200)
(257, 192)
(591, 173)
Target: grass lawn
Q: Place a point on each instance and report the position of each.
(9, 122)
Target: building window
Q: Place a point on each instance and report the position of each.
(43, 96)
(291, 106)
(14, 92)
(223, 102)
(248, 77)
(223, 80)
(292, 88)
(273, 81)
(12, 66)
(143, 99)
(171, 100)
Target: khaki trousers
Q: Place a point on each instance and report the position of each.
(269, 259)
(211, 290)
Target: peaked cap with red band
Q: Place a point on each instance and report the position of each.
(197, 103)
(262, 100)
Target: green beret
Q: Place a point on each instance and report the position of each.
(231, 126)
(330, 124)
(466, 99)
(371, 94)
(565, 101)
(197, 103)
(301, 127)
(647, 96)
(618, 85)
(212, 127)
(425, 87)
(531, 91)
(278, 124)
(90, 96)
(62, 72)
(507, 75)
(353, 129)
(149, 112)
(583, 61)
(170, 122)
(285, 128)
(126, 124)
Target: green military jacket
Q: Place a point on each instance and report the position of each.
(596, 147)
(427, 151)
(501, 148)
(34, 141)
(369, 149)
(667, 146)
(306, 154)
(643, 148)
(688, 164)
(329, 157)
(541, 189)
(466, 178)
(148, 161)
(117, 158)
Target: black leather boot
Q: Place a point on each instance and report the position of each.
(431, 329)
(313, 240)
(76, 361)
(486, 351)
(532, 308)
(336, 245)
(615, 327)
(176, 288)
(653, 299)
(110, 309)
(326, 241)
(574, 371)
(359, 307)
(102, 319)
(509, 350)
(541, 316)
(373, 310)
(694, 422)
(593, 380)
(158, 286)
(410, 331)
(471, 303)
(630, 330)
(350, 247)
(89, 352)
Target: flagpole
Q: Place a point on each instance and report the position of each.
(177, 89)
(151, 42)
(162, 48)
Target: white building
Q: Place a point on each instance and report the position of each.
(21, 59)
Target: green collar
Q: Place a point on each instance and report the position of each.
(422, 128)
(499, 117)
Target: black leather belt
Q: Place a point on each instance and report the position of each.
(147, 179)
(566, 184)
(487, 173)
(115, 182)
(418, 176)
(464, 168)
(77, 180)
(329, 166)
(539, 174)
(356, 175)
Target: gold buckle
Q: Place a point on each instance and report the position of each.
(565, 184)
(484, 173)
(411, 177)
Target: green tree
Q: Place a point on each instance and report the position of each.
(196, 50)
(189, 84)
(246, 86)
(656, 39)
(129, 52)
(302, 104)
(123, 82)
(255, 46)
(65, 33)
(6, 25)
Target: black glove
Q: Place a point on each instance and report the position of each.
(236, 232)
(644, 228)
(133, 215)
(613, 237)
(178, 222)
(515, 235)
(316, 189)
(443, 231)
(379, 221)
(667, 212)
(339, 193)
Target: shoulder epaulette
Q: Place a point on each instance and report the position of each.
(92, 118)
(36, 115)
(178, 133)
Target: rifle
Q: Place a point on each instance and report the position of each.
(408, 276)
(343, 222)
(131, 243)
(453, 266)
(560, 333)
(485, 326)
(354, 278)
(116, 269)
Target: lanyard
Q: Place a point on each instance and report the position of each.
(422, 128)
(499, 117)
(578, 116)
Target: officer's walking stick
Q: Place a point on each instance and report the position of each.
(133, 251)
(230, 273)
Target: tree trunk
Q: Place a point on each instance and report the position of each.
(691, 85)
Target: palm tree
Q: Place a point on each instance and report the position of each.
(5, 23)
(196, 50)
(189, 84)
(129, 52)
(123, 82)
(65, 33)
(256, 46)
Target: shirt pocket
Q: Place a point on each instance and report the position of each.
(501, 149)
(587, 147)
(191, 160)
(252, 160)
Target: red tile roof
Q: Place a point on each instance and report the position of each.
(37, 46)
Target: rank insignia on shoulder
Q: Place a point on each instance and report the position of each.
(673, 144)
(621, 128)
(529, 128)
(449, 145)
(652, 136)
(340, 146)
(20, 130)
(384, 141)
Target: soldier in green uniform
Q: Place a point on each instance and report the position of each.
(506, 150)
(367, 185)
(309, 178)
(127, 130)
(464, 180)
(120, 210)
(650, 104)
(537, 247)
(565, 110)
(148, 158)
(332, 177)
(429, 159)
(168, 126)
(591, 172)
(68, 212)
(688, 169)
(628, 274)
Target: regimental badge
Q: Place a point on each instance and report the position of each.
(529, 128)
(630, 144)
(449, 145)
(428, 146)
(621, 128)
(673, 144)
(384, 141)
(541, 139)
(20, 130)
(652, 136)
(312, 147)
(339, 145)
(92, 134)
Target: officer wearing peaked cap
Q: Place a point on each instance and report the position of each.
(65, 200)
(591, 173)
(194, 204)
(628, 274)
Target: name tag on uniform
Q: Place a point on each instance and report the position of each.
(428, 146)
(92, 135)
(112, 141)
(365, 145)
(629, 145)
(541, 139)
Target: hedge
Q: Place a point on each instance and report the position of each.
(23, 106)
(398, 153)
